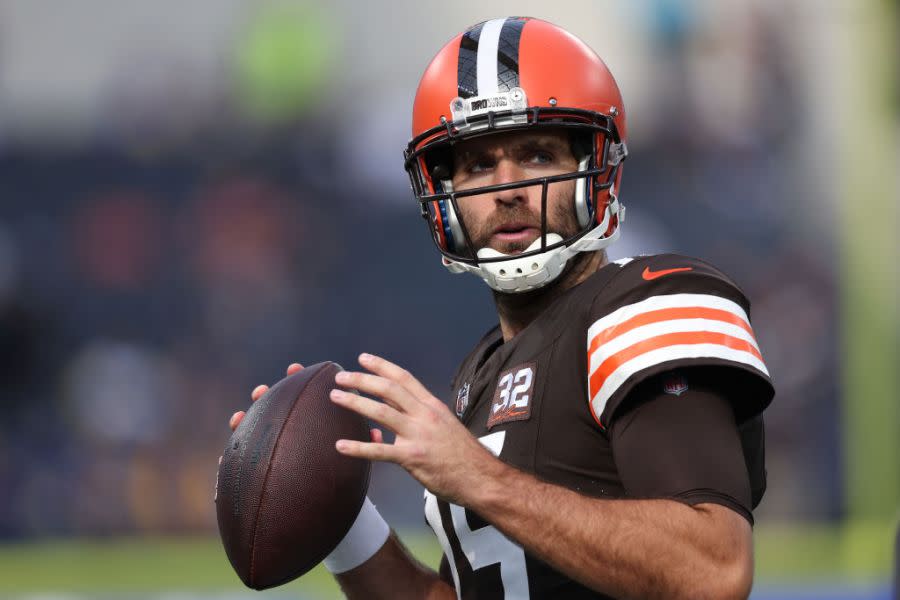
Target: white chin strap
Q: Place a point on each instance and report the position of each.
(522, 274)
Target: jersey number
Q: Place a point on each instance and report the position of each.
(514, 397)
(481, 547)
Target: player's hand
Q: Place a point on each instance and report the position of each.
(256, 394)
(431, 443)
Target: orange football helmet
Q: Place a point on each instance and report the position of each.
(508, 74)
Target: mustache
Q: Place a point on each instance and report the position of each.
(517, 214)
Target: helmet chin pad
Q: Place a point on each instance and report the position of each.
(514, 275)
(490, 253)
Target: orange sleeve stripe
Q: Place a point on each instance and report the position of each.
(667, 314)
(608, 366)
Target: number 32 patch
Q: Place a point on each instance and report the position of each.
(512, 400)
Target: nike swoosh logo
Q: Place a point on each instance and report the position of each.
(650, 275)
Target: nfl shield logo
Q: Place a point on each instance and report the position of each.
(675, 384)
(462, 399)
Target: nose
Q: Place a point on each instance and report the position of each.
(509, 171)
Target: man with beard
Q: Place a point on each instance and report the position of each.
(607, 439)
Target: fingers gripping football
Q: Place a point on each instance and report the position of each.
(382, 413)
(256, 394)
(430, 442)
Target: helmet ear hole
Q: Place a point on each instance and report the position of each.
(440, 172)
(438, 163)
(581, 144)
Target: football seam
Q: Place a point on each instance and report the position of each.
(262, 497)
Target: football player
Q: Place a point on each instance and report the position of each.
(607, 439)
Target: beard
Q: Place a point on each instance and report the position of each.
(560, 220)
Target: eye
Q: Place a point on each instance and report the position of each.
(540, 157)
(480, 164)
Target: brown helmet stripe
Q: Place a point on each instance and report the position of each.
(508, 53)
(467, 63)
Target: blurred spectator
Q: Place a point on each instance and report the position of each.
(117, 240)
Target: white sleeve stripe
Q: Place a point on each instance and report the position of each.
(639, 334)
(667, 301)
(669, 353)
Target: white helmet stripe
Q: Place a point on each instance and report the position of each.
(488, 43)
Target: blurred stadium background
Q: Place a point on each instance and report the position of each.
(194, 193)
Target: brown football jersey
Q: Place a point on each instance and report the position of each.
(547, 401)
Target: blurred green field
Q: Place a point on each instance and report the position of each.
(860, 553)
(138, 565)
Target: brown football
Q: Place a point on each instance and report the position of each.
(284, 496)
